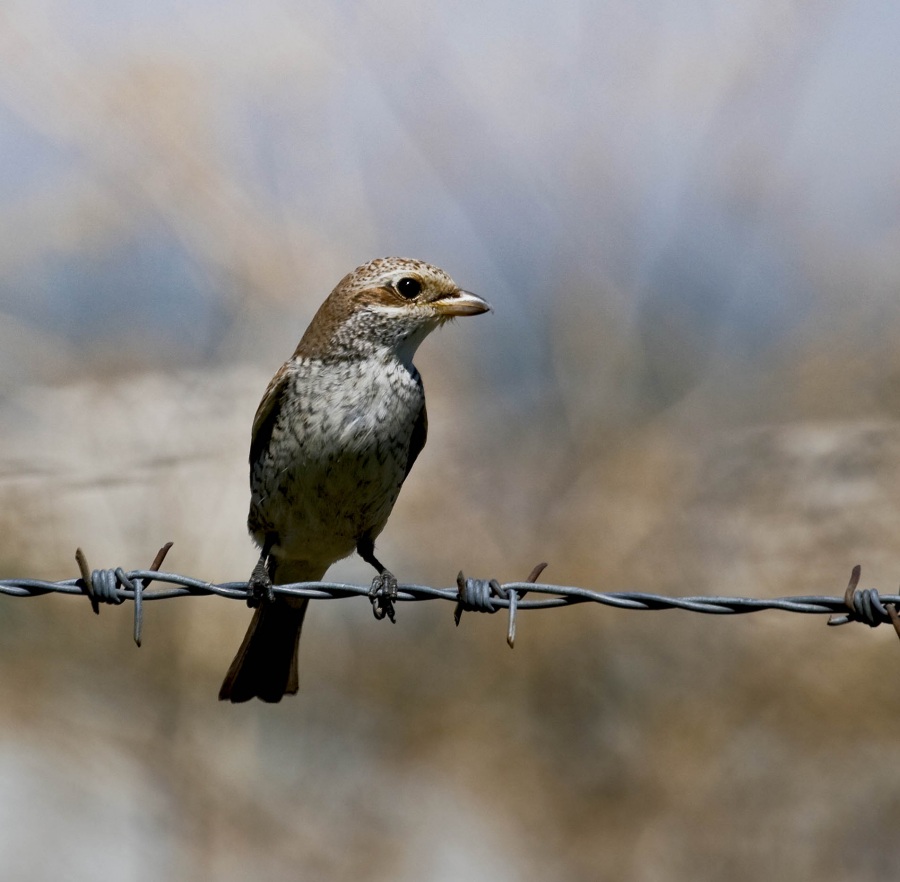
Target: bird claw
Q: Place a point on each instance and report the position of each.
(382, 594)
(260, 585)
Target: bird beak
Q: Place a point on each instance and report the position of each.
(461, 303)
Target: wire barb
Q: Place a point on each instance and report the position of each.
(474, 595)
(87, 583)
(107, 586)
(514, 603)
(865, 605)
(140, 585)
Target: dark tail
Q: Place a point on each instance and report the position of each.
(266, 664)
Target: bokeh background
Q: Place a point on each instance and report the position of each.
(687, 218)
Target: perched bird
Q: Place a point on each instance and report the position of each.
(334, 437)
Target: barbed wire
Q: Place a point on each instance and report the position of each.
(115, 586)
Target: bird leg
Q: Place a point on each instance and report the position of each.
(383, 592)
(262, 575)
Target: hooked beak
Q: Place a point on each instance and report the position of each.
(461, 303)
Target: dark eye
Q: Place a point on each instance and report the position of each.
(409, 288)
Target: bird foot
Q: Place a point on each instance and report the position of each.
(382, 594)
(260, 585)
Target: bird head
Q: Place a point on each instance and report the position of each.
(386, 308)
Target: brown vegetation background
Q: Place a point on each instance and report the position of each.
(686, 217)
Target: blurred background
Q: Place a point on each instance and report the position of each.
(687, 218)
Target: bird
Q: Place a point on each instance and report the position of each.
(334, 438)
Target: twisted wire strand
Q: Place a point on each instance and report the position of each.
(560, 595)
(473, 595)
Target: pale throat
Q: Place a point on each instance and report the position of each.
(381, 334)
(406, 350)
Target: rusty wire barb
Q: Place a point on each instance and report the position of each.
(116, 585)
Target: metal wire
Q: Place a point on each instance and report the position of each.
(470, 595)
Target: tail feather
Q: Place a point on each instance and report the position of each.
(266, 664)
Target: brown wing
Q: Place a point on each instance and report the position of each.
(267, 414)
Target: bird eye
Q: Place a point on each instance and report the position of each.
(409, 288)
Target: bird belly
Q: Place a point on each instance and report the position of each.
(335, 464)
